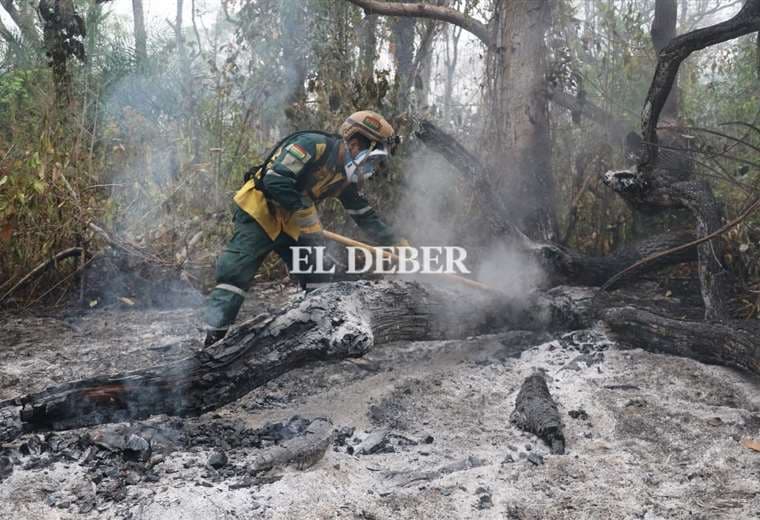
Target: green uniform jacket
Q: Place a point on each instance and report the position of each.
(302, 172)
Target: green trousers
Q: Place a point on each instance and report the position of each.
(237, 266)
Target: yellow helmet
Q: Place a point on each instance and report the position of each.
(371, 125)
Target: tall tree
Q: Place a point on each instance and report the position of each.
(402, 33)
(368, 47)
(141, 39)
(63, 33)
(517, 126)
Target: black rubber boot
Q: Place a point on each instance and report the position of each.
(212, 336)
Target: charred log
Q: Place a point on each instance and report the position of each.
(340, 321)
(716, 281)
(568, 266)
(731, 343)
(536, 412)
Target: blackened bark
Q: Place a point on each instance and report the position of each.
(717, 283)
(64, 30)
(731, 343)
(662, 32)
(669, 59)
(536, 412)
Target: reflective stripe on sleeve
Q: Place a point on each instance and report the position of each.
(362, 211)
(231, 288)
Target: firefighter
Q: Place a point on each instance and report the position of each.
(276, 205)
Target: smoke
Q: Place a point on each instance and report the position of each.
(430, 206)
(510, 272)
(438, 208)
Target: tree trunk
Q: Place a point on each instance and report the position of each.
(368, 48)
(295, 54)
(562, 265)
(662, 32)
(141, 39)
(341, 321)
(63, 33)
(402, 30)
(452, 34)
(731, 343)
(517, 127)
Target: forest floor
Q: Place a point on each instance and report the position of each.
(648, 436)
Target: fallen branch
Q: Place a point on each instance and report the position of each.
(746, 213)
(66, 253)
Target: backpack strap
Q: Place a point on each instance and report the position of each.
(249, 174)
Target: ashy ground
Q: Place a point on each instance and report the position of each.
(648, 436)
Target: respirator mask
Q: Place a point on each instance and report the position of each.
(365, 164)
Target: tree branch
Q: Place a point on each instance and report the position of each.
(434, 12)
(669, 59)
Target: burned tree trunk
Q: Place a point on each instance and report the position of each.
(669, 60)
(341, 321)
(663, 31)
(731, 343)
(561, 264)
(517, 117)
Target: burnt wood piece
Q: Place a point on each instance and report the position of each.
(717, 283)
(536, 412)
(731, 343)
(342, 320)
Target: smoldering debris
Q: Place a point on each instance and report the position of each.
(118, 456)
(116, 278)
(536, 412)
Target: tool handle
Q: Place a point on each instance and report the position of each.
(355, 243)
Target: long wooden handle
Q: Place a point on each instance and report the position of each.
(355, 243)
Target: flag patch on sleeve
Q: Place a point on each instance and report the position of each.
(298, 151)
(295, 158)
